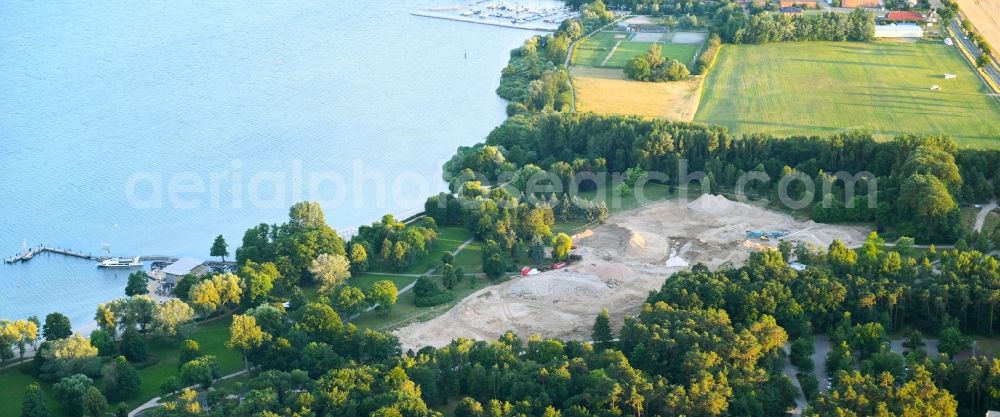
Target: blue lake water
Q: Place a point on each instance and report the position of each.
(152, 127)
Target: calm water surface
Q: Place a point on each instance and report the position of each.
(106, 100)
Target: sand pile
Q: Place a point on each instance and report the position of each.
(636, 243)
(752, 246)
(557, 285)
(582, 235)
(711, 204)
(612, 273)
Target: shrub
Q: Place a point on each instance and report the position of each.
(707, 57)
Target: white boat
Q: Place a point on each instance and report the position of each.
(120, 263)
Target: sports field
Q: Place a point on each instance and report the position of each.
(594, 51)
(827, 87)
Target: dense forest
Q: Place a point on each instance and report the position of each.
(919, 182)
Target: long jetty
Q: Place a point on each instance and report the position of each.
(37, 250)
(30, 253)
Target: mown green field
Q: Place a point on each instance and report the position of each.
(591, 52)
(683, 52)
(827, 87)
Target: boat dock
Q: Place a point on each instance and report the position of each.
(30, 253)
(37, 250)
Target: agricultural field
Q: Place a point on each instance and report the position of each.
(597, 51)
(608, 91)
(825, 87)
(985, 17)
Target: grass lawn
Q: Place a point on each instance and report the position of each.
(683, 52)
(608, 91)
(820, 88)
(405, 311)
(13, 384)
(449, 239)
(592, 51)
(650, 192)
(211, 336)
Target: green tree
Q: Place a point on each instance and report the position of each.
(536, 250)
(258, 280)
(245, 336)
(561, 245)
(469, 408)
(138, 284)
(70, 392)
(190, 350)
(494, 266)
(56, 327)
(383, 294)
(350, 300)
(448, 276)
(953, 341)
(601, 332)
(982, 61)
(94, 403)
(121, 380)
(220, 248)
(34, 404)
(359, 258)
(202, 371)
(133, 347)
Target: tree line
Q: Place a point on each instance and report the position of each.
(910, 185)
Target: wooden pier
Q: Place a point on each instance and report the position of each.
(37, 250)
(30, 253)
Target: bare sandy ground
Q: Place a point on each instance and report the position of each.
(623, 259)
(985, 17)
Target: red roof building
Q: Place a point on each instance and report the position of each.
(904, 17)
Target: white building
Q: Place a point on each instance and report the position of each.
(900, 30)
(177, 270)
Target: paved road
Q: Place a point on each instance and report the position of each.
(981, 217)
(991, 70)
(790, 370)
(155, 402)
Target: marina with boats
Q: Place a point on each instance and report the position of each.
(532, 16)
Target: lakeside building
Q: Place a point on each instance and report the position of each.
(183, 266)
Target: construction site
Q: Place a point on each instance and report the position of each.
(632, 253)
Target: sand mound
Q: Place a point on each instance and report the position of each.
(711, 204)
(636, 243)
(582, 235)
(557, 285)
(612, 273)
